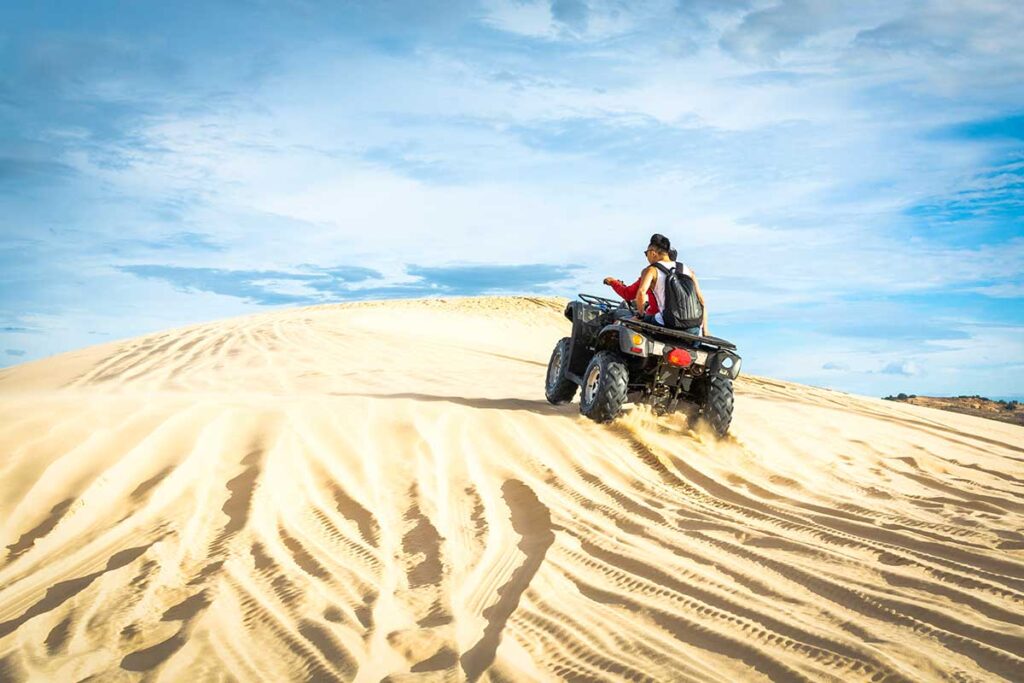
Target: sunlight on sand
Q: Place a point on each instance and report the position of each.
(380, 490)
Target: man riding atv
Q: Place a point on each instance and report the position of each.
(660, 255)
(649, 293)
(628, 292)
(662, 360)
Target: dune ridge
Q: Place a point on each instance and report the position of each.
(378, 491)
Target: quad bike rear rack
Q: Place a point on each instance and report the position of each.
(658, 330)
(650, 328)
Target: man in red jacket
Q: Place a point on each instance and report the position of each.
(628, 292)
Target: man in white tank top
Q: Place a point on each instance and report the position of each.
(658, 252)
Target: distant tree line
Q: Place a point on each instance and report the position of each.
(1007, 405)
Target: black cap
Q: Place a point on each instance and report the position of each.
(660, 242)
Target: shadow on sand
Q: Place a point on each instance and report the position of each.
(540, 407)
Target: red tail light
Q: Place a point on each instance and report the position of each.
(679, 357)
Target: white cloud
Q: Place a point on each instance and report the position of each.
(906, 368)
(786, 187)
(574, 20)
(1008, 290)
(525, 18)
(271, 167)
(764, 33)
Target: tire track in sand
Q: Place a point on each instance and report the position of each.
(823, 541)
(532, 521)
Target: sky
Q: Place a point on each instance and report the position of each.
(846, 179)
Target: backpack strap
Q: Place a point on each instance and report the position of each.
(657, 264)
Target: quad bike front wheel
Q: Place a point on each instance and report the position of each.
(604, 387)
(558, 388)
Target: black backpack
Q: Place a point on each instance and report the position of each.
(682, 307)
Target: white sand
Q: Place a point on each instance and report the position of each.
(354, 492)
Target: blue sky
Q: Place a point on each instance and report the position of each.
(847, 179)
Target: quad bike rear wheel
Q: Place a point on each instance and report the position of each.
(604, 387)
(558, 388)
(717, 408)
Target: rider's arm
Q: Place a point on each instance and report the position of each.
(627, 292)
(704, 306)
(646, 280)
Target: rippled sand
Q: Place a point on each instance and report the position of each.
(380, 491)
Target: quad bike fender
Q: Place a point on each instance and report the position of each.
(724, 363)
(620, 338)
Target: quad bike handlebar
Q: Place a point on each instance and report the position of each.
(604, 302)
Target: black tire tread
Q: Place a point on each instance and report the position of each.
(611, 395)
(564, 389)
(718, 404)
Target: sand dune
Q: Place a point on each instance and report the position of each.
(379, 492)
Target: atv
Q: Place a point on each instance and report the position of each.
(617, 358)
